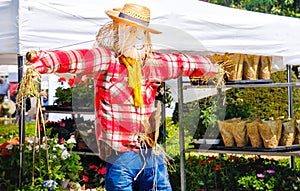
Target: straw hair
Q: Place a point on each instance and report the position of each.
(132, 14)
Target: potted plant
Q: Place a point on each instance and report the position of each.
(211, 110)
(79, 90)
(47, 164)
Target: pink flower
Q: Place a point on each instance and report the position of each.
(260, 175)
(62, 140)
(271, 171)
(62, 124)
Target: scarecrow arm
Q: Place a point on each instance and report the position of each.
(170, 66)
(83, 61)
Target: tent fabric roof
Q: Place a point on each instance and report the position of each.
(189, 25)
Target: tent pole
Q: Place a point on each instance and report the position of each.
(21, 123)
(290, 104)
(181, 135)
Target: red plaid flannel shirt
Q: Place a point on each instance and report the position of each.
(118, 121)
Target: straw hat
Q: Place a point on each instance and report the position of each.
(9, 107)
(132, 14)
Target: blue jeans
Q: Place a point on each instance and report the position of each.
(137, 171)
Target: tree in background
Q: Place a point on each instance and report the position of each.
(289, 8)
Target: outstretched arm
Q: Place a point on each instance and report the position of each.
(170, 66)
(84, 61)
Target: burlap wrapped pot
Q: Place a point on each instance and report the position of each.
(253, 133)
(288, 132)
(270, 131)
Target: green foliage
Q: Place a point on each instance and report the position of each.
(262, 102)
(82, 95)
(278, 7)
(11, 130)
(54, 163)
(234, 173)
(63, 96)
(164, 94)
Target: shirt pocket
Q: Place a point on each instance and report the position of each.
(119, 91)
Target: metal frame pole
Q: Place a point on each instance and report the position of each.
(181, 135)
(21, 114)
(290, 105)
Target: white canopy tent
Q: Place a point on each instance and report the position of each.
(62, 24)
(189, 25)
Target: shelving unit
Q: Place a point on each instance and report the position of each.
(183, 151)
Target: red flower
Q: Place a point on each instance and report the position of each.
(61, 79)
(232, 158)
(71, 82)
(49, 122)
(5, 153)
(3, 146)
(94, 167)
(189, 160)
(217, 168)
(202, 162)
(102, 171)
(212, 158)
(85, 178)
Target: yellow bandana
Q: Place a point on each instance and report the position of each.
(134, 79)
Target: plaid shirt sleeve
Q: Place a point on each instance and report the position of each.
(170, 66)
(82, 61)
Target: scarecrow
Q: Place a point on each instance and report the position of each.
(127, 74)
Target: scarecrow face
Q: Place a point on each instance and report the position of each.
(132, 41)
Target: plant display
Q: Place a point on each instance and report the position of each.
(45, 160)
(82, 130)
(79, 90)
(94, 170)
(236, 173)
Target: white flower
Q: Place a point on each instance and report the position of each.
(65, 154)
(51, 156)
(71, 140)
(31, 140)
(9, 146)
(29, 147)
(62, 147)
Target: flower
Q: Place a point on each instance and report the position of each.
(62, 79)
(53, 162)
(236, 173)
(102, 171)
(71, 82)
(260, 175)
(79, 90)
(85, 178)
(50, 185)
(93, 172)
(271, 171)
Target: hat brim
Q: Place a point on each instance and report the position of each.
(115, 16)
